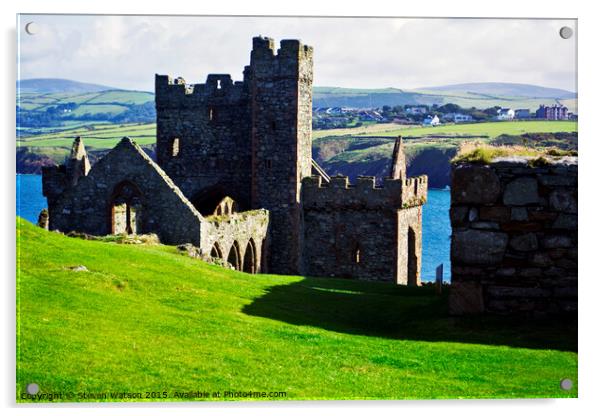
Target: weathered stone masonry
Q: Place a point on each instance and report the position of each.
(364, 231)
(125, 191)
(249, 139)
(225, 146)
(514, 237)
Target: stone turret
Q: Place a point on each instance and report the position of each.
(398, 164)
(78, 164)
(281, 91)
(58, 179)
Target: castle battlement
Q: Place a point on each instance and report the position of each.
(266, 47)
(414, 191)
(286, 62)
(218, 89)
(339, 193)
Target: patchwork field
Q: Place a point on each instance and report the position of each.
(485, 130)
(103, 136)
(147, 319)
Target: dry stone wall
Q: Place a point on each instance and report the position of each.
(514, 237)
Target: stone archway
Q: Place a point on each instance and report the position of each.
(234, 256)
(216, 251)
(125, 208)
(250, 259)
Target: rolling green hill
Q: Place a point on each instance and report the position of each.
(47, 105)
(147, 319)
(41, 113)
(479, 95)
(102, 118)
(503, 89)
(359, 151)
(58, 85)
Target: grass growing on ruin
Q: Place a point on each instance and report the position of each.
(146, 319)
(478, 152)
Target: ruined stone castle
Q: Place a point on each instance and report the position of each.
(234, 176)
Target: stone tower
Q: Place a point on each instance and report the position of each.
(249, 140)
(281, 99)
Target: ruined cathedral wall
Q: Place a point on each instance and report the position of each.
(514, 237)
(163, 209)
(204, 134)
(354, 230)
(241, 232)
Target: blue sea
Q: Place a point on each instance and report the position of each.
(436, 228)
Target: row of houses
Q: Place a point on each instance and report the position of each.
(341, 116)
(544, 112)
(450, 117)
(554, 112)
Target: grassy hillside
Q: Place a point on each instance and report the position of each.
(55, 104)
(367, 150)
(146, 319)
(482, 95)
(41, 102)
(485, 130)
(360, 151)
(504, 89)
(106, 136)
(103, 136)
(50, 85)
(42, 113)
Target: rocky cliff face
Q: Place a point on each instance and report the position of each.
(31, 163)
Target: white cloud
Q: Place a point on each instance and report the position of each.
(126, 51)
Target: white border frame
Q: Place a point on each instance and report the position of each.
(589, 70)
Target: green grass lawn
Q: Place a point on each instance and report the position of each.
(146, 319)
(486, 130)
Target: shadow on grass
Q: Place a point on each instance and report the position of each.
(401, 312)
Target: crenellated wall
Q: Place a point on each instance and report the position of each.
(339, 193)
(364, 231)
(514, 237)
(204, 136)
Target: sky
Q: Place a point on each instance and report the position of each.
(407, 53)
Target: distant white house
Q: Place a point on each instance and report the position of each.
(431, 121)
(505, 114)
(522, 113)
(457, 117)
